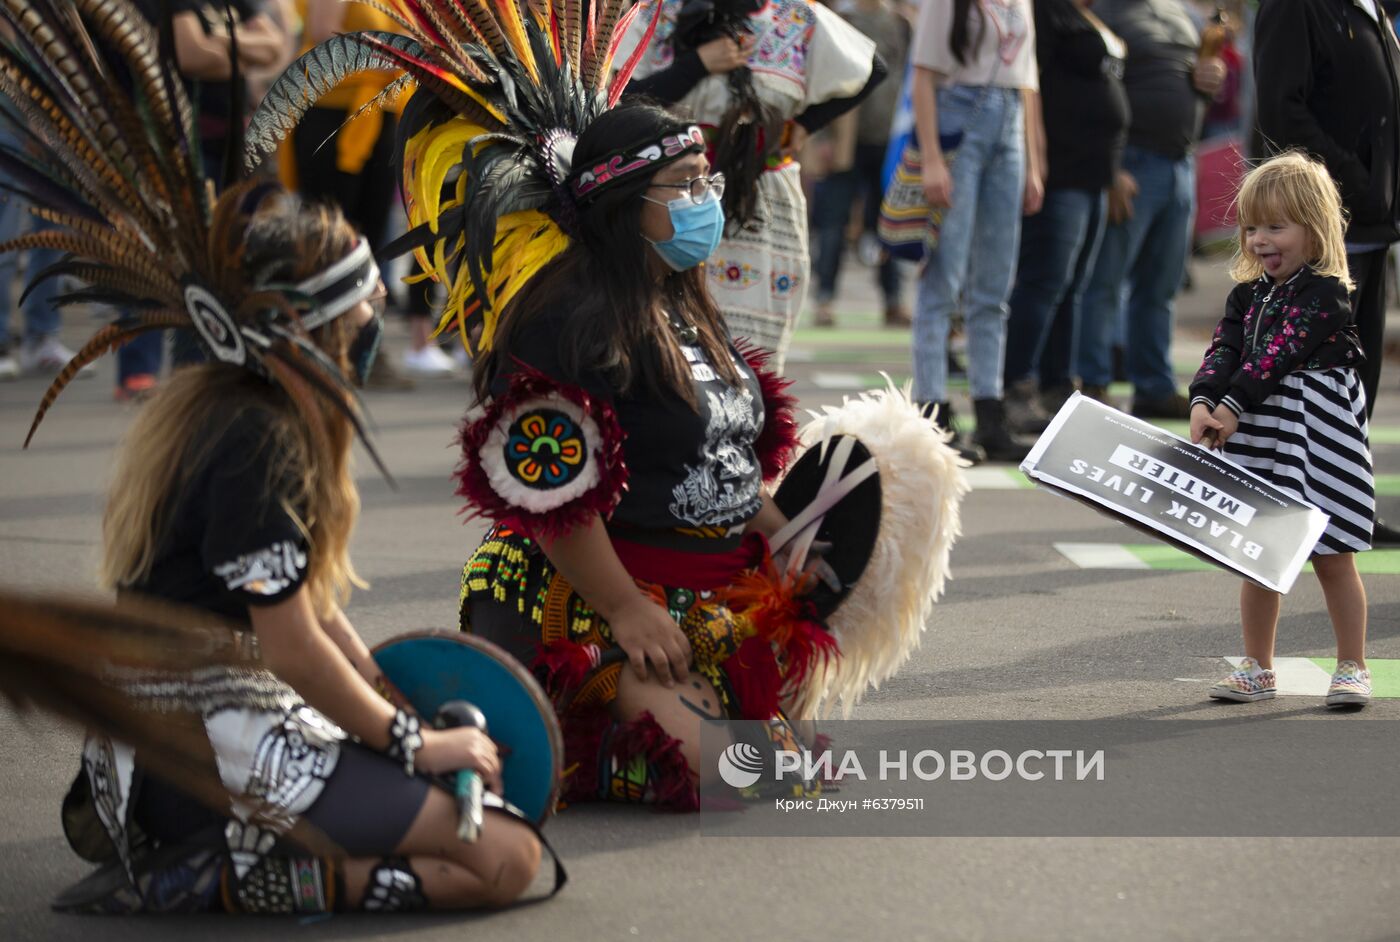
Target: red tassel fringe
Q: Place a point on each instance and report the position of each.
(755, 678)
(778, 442)
(584, 733)
(566, 664)
(674, 781)
(592, 742)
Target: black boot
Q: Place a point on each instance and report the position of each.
(993, 434)
(941, 414)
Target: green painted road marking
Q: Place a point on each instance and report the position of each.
(1162, 557)
(894, 337)
(1310, 676)
(1385, 675)
(1387, 485)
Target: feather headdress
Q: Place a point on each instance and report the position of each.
(108, 154)
(503, 90)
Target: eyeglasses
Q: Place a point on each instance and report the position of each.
(379, 302)
(698, 188)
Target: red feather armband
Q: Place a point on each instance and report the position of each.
(543, 453)
(777, 442)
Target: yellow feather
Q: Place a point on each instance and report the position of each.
(526, 242)
(490, 108)
(514, 29)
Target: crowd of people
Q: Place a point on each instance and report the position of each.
(1072, 186)
(626, 261)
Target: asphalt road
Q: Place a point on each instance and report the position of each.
(1023, 633)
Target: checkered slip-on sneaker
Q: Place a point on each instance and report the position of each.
(1351, 685)
(1247, 684)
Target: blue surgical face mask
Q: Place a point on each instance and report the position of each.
(699, 229)
(365, 347)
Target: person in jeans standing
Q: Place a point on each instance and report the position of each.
(1086, 124)
(1150, 207)
(882, 22)
(974, 76)
(39, 349)
(1328, 74)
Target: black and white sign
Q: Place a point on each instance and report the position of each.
(1182, 493)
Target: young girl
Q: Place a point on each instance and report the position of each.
(1280, 393)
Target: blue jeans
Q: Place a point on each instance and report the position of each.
(831, 212)
(141, 355)
(1058, 247)
(1141, 263)
(41, 318)
(983, 226)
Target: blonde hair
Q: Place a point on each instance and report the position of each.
(171, 439)
(1293, 187)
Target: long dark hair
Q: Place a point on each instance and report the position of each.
(749, 130)
(605, 282)
(960, 34)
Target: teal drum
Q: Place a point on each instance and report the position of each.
(435, 667)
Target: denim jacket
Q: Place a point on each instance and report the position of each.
(1271, 330)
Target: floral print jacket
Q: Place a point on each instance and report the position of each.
(1271, 330)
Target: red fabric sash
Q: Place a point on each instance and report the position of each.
(682, 569)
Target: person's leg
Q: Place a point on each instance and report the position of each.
(1057, 366)
(11, 219)
(1259, 608)
(1106, 295)
(42, 351)
(431, 867)
(996, 234)
(831, 211)
(870, 159)
(1050, 246)
(1156, 272)
(995, 237)
(41, 319)
(1368, 301)
(1098, 312)
(138, 364)
(945, 269)
(1346, 604)
(680, 711)
(870, 169)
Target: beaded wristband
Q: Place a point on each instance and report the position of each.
(405, 739)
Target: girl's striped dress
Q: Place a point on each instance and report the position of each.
(1284, 360)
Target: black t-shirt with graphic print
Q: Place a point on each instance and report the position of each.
(230, 541)
(688, 468)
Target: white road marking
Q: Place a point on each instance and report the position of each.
(1100, 556)
(994, 479)
(1296, 676)
(833, 380)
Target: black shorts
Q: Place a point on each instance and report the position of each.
(366, 806)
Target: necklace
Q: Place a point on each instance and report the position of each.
(685, 333)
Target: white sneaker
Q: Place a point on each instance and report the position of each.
(9, 367)
(430, 361)
(869, 250)
(49, 356)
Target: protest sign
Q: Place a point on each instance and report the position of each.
(1195, 499)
